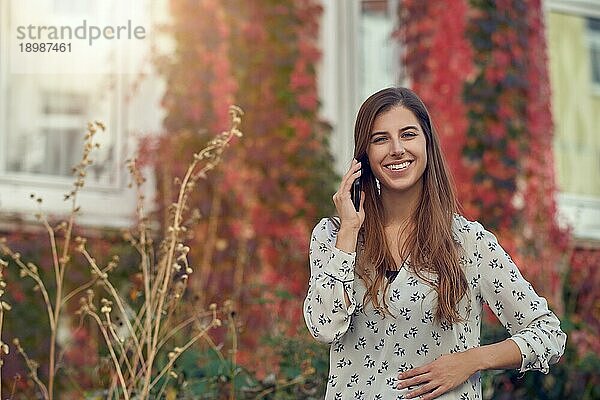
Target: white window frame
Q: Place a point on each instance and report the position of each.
(580, 212)
(338, 73)
(4, 65)
(102, 205)
(584, 8)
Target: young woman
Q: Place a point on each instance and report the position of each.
(397, 288)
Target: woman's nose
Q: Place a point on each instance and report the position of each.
(397, 148)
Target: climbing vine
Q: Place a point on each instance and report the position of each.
(439, 60)
(270, 191)
(490, 97)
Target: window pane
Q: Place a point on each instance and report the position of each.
(593, 26)
(595, 58)
(47, 120)
(575, 103)
(379, 59)
(46, 110)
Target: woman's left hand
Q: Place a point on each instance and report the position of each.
(438, 377)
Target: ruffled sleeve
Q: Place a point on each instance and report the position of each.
(331, 275)
(533, 327)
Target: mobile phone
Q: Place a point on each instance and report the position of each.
(355, 193)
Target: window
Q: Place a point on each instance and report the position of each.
(574, 64)
(44, 113)
(359, 58)
(593, 32)
(380, 63)
(52, 146)
(46, 121)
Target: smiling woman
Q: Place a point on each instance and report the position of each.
(397, 288)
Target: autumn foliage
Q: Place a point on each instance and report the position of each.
(490, 96)
(488, 93)
(483, 71)
(253, 246)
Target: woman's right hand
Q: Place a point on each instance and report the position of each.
(342, 199)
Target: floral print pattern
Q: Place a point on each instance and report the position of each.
(368, 351)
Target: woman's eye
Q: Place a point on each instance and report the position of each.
(409, 134)
(378, 139)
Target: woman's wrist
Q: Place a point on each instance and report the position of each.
(476, 359)
(349, 230)
(347, 238)
(501, 355)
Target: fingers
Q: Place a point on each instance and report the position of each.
(353, 173)
(343, 198)
(414, 372)
(435, 394)
(416, 377)
(414, 381)
(423, 389)
(348, 179)
(430, 381)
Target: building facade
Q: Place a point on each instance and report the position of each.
(573, 31)
(43, 116)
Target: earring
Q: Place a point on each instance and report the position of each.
(378, 186)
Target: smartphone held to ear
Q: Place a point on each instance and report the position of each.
(355, 193)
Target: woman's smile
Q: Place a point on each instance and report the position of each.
(398, 168)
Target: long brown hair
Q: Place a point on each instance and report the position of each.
(429, 245)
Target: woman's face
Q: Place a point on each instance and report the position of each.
(397, 150)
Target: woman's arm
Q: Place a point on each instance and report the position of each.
(536, 338)
(346, 241)
(532, 325)
(501, 355)
(329, 303)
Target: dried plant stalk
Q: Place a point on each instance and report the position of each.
(134, 349)
(164, 283)
(4, 306)
(61, 257)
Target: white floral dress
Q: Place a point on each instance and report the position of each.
(368, 351)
